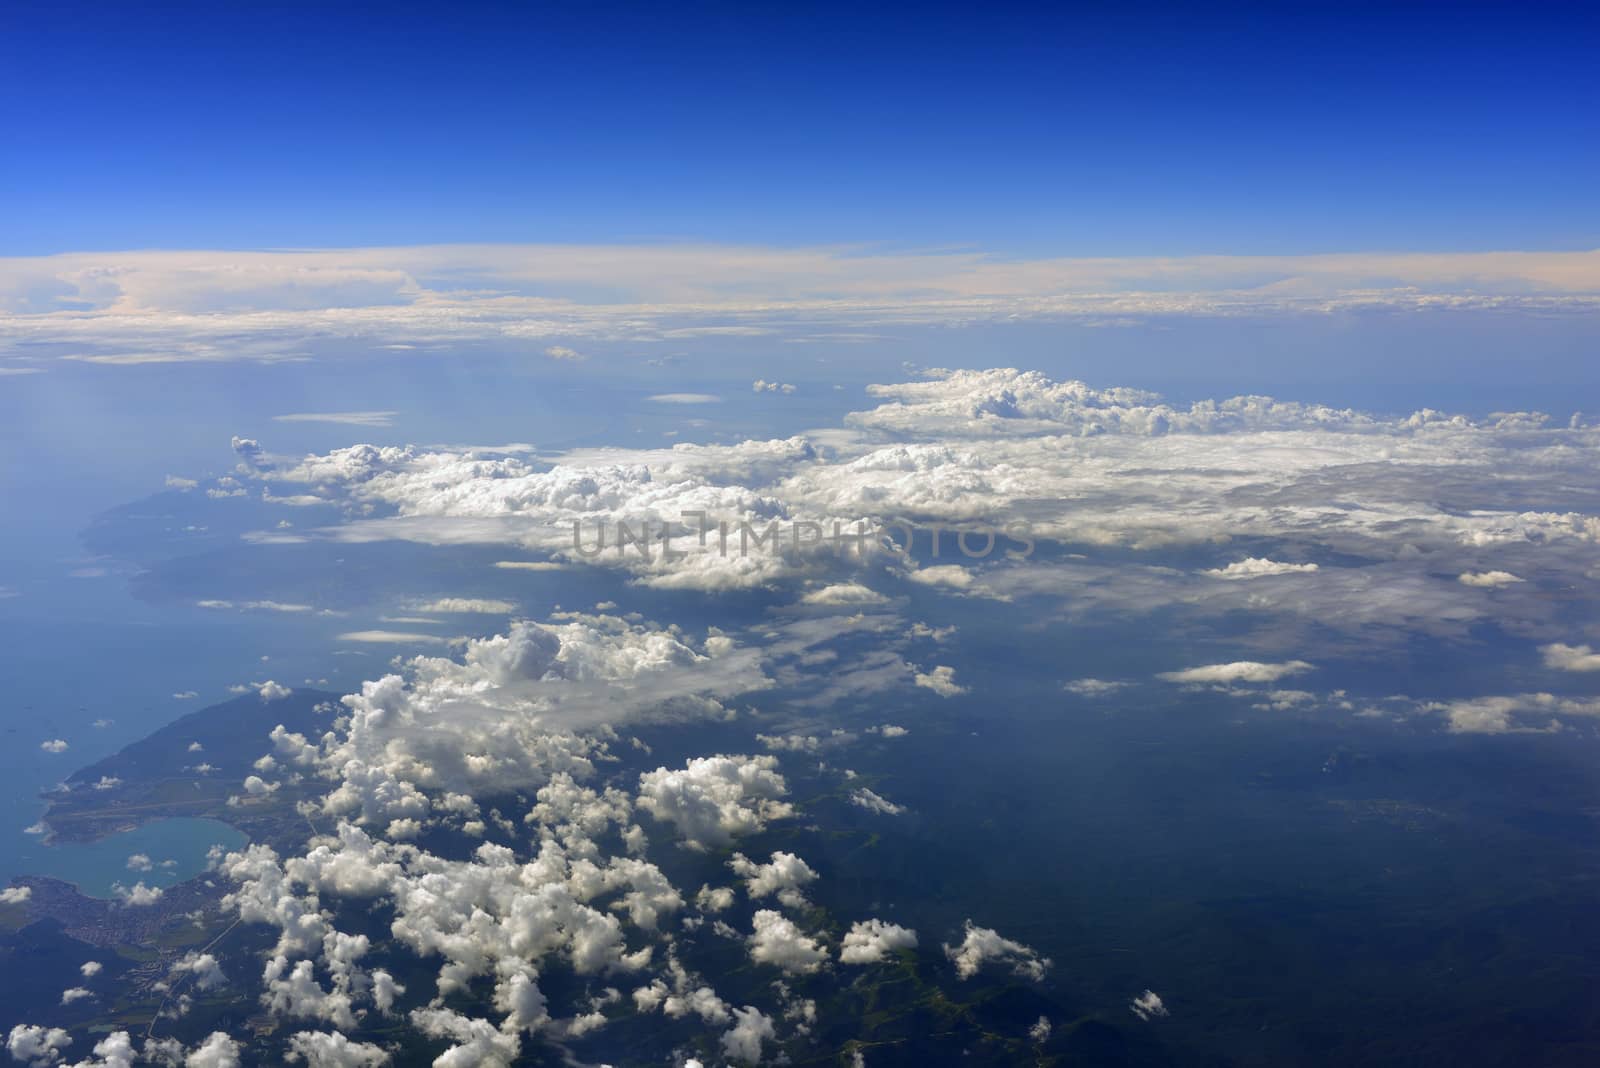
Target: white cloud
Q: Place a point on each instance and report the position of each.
(204, 968)
(1257, 567)
(53, 745)
(1488, 579)
(481, 605)
(217, 1050)
(1093, 687)
(137, 894)
(864, 798)
(16, 895)
(1148, 1006)
(776, 940)
(76, 993)
(982, 946)
(273, 691)
(783, 876)
(846, 594)
(140, 862)
(562, 352)
(941, 680)
(717, 899)
(1570, 657)
(35, 1045)
(330, 1049)
(685, 398)
(871, 941)
(141, 307)
(392, 637)
(1237, 671)
(714, 799)
(1501, 714)
(256, 606)
(751, 1028)
(91, 968)
(368, 419)
(952, 575)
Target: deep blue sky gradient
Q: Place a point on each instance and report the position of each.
(1063, 130)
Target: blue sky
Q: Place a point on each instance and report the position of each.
(1062, 130)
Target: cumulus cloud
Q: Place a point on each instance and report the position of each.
(1237, 671)
(1148, 1006)
(865, 798)
(712, 800)
(35, 1045)
(1256, 567)
(16, 895)
(848, 594)
(1501, 714)
(783, 876)
(941, 680)
(1093, 687)
(871, 941)
(982, 946)
(330, 1049)
(1487, 579)
(54, 745)
(216, 1051)
(138, 894)
(742, 1042)
(777, 940)
(1570, 657)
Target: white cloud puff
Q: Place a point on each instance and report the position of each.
(871, 941)
(941, 680)
(785, 876)
(1237, 671)
(742, 1042)
(138, 894)
(867, 799)
(1487, 579)
(1256, 567)
(1094, 687)
(712, 800)
(982, 946)
(35, 1045)
(1148, 1006)
(777, 940)
(324, 1049)
(1570, 657)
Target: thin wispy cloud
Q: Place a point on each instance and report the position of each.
(685, 398)
(373, 419)
(272, 306)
